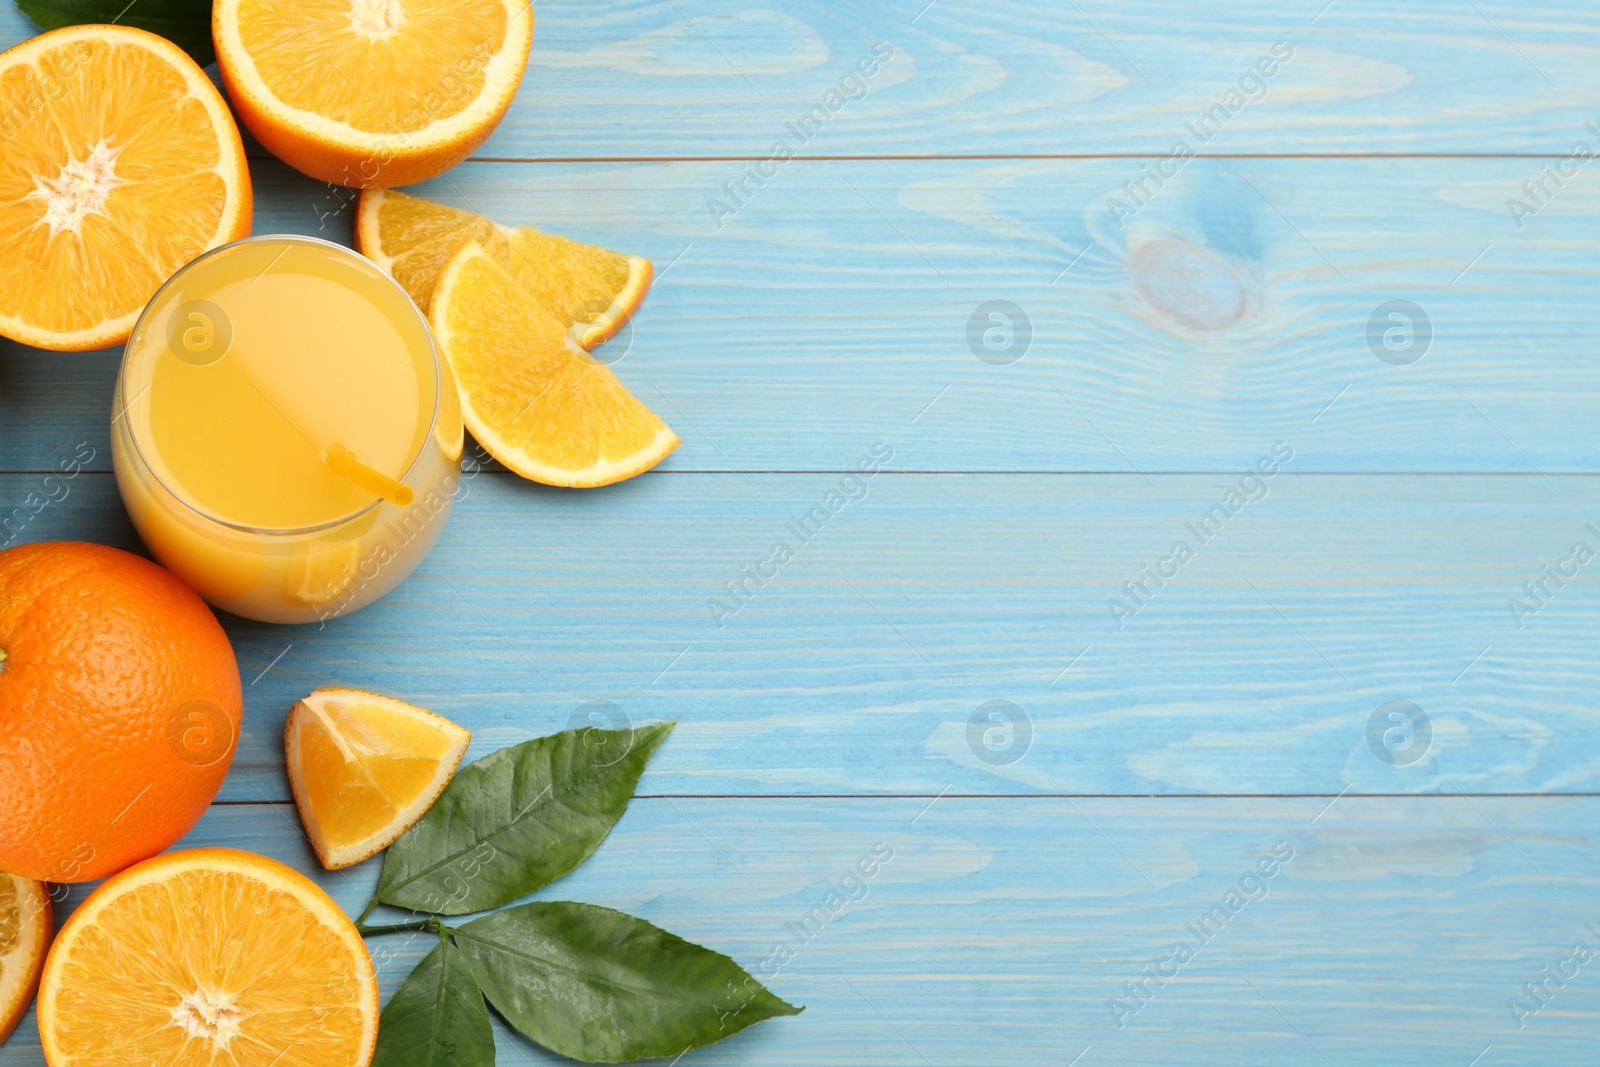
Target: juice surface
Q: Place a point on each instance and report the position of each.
(254, 366)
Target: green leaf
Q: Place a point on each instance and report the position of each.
(516, 820)
(437, 1017)
(186, 23)
(603, 987)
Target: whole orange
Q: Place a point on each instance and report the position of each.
(119, 710)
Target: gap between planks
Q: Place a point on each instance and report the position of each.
(267, 157)
(1453, 795)
(738, 472)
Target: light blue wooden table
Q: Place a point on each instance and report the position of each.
(1185, 319)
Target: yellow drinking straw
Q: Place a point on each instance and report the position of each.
(365, 478)
(344, 461)
(284, 425)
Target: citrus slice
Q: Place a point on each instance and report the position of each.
(120, 164)
(372, 92)
(206, 957)
(591, 289)
(25, 924)
(539, 404)
(364, 767)
(413, 238)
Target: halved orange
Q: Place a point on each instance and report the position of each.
(26, 920)
(119, 164)
(210, 956)
(364, 767)
(372, 92)
(541, 405)
(591, 289)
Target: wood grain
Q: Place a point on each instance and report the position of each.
(1229, 311)
(968, 77)
(1000, 931)
(857, 667)
(1183, 324)
(975, 77)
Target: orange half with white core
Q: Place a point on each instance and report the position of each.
(119, 163)
(372, 93)
(208, 957)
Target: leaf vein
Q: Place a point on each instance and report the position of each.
(565, 969)
(575, 784)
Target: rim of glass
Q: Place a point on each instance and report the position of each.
(275, 531)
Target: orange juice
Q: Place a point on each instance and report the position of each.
(285, 436)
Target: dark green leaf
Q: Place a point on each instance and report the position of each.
(437, 1017)
(186, 23)
(604, 987)
(516, 820)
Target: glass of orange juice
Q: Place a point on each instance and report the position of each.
(286, 436)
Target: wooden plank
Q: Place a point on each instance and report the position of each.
(698, 78)
(1000, 932)
(1189, 333)
(859, 665)
(1232, 310)
(974, 77)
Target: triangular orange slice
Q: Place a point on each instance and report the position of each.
(540, 404)
(590, 289)
(364, 767)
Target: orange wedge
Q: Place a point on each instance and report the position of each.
(540, 405)
(364, 767)
(119, 163)
(413, 239)
(372, 92)
(591, 289)
(208, 957)
(25, 924)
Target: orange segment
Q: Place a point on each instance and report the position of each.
(413, 239)
(207, 957)
(372, 92)
(25, 924)
(364, 767)
(540, 405)
(120, 164)
(591, 289)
